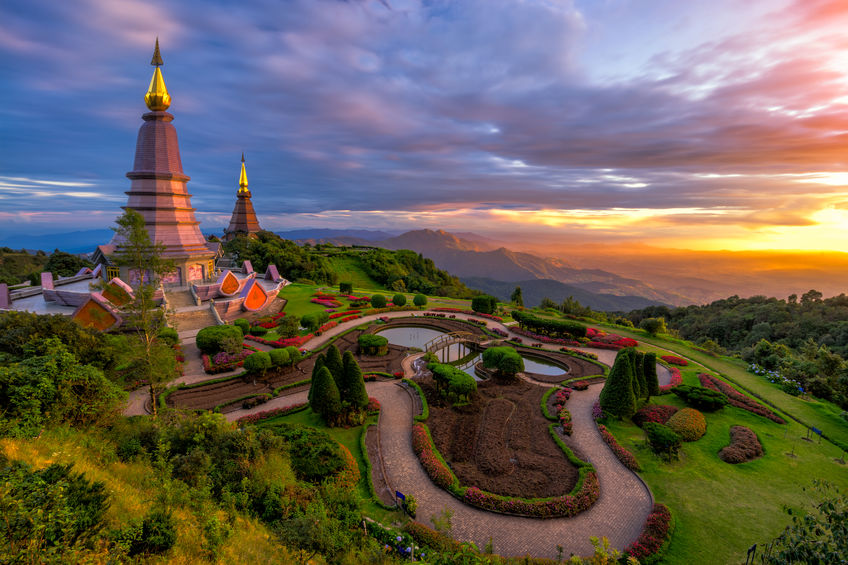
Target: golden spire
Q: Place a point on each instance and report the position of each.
(243, 178)
(157, 97)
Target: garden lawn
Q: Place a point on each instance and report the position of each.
(722, 509)
(298, 297)
(349, 437)
(820, 414)
(349, 269)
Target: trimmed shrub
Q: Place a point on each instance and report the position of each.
(352, 385)
(324, 396)
(258, 330)
(169, 336)
(333, 362)
(214, 339)
(378, 301)
(279, 357)
(548, 327)
(345, 288)
(373, 344)
(314, 320)
(744, 446)
(653, 326)
(420, 300)
(257, 363)
(617, 398)
(649, 366)
(700, 397)
(640, 385)
(506, 360)
(452, 382)
(399, 299)
(243, 325)
(657, 413)
(662, 439)
(689, 424)
(484, 304)
(294, 354)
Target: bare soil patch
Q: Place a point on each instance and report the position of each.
(500, 442)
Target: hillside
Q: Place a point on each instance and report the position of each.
(534, 290)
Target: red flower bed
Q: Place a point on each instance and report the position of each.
(566, 505)
(737, 399)
(349, 318)
(676, 379)
(626, 458)
(422, 445)
(655, 533)
(657, 413)
(373, 406)
(328, 326)
(286, 342)
(744, 446)
(675, 360)
(347, 313)
(265, 414)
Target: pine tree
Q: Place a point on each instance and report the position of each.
(649, 365)
(640, 385)
(319, 362)
(617, 396)
(516, 297)
(325, 396)
(333, 361)
(353, 390)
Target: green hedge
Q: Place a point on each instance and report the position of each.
(425, 410)
(544, 403)
(549, 327)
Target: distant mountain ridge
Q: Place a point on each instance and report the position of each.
(477, 257)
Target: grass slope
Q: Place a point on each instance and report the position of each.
(822, 415)
(349, 269)
(132, 488)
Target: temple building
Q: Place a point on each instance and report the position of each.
(158, 192)
(244, 219)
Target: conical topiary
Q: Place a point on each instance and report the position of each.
(353, 385)
(333, 361)
(640, 385)
(649, 365)
(319, 362)
(617, 396)
(325, 396)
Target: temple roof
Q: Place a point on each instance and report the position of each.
(243, 177)
(244, 217)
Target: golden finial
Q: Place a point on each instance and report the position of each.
(157, 97)
(243, 177)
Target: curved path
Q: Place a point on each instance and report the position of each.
(618, 514)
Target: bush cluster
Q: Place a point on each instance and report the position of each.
(662, 439)
(548, 327)
(506, 360)
(630, 379)
(689, 424)
(243, 325)
(453, 383)
(484, 304)
(373, 344)
(700, 397)
(213, 339)
(744, 446)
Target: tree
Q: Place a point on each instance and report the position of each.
(314, 320)
(504, 359)
(352, 390)
(640, 384)
(399, 299)
(547, 303)
(649, 366)
(378, 301)
(516, 297)
(214, 339)
(294, 355)
(64, 264)
(142, 314)
(333, 362)
(617, 396)
(420, 300)
(288, 326)
(279, 357)
(345, 288)
(319, 364)
(484, 304)
(257, 363)
(325, 398)
(653, 326)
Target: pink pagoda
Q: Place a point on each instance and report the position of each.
(244, 219)
(158, 192)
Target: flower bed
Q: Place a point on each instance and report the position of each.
(469, 312)
(675, 360)
(345, 313)
(327, 326)
(223, 361)
(656, 533)
(584, 494)
(544, 338)
(744, 446)
(373, 406)
(620, 343)
(656, 413)
(273, 413)
(285, 342)
(676, 379)
(626, 458)
(737, 399)
(326, 303)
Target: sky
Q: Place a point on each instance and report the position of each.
(705, 124)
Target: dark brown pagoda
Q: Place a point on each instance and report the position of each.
(158, 192)
(244, 217)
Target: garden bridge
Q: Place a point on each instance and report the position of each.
(448, 339)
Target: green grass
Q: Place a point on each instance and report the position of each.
(349, 269)
(298, 298)
(723, 509)
(349, 437)
(820, 414)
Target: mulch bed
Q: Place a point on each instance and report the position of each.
(500, 442)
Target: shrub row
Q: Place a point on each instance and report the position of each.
(425, 410)
(737, 399)
(273, 413)
(656, 533)
(623, 455)
(744, 446)
(548, 327)
(675, 360)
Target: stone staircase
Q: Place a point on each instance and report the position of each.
(178, 299)
(191, 320)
